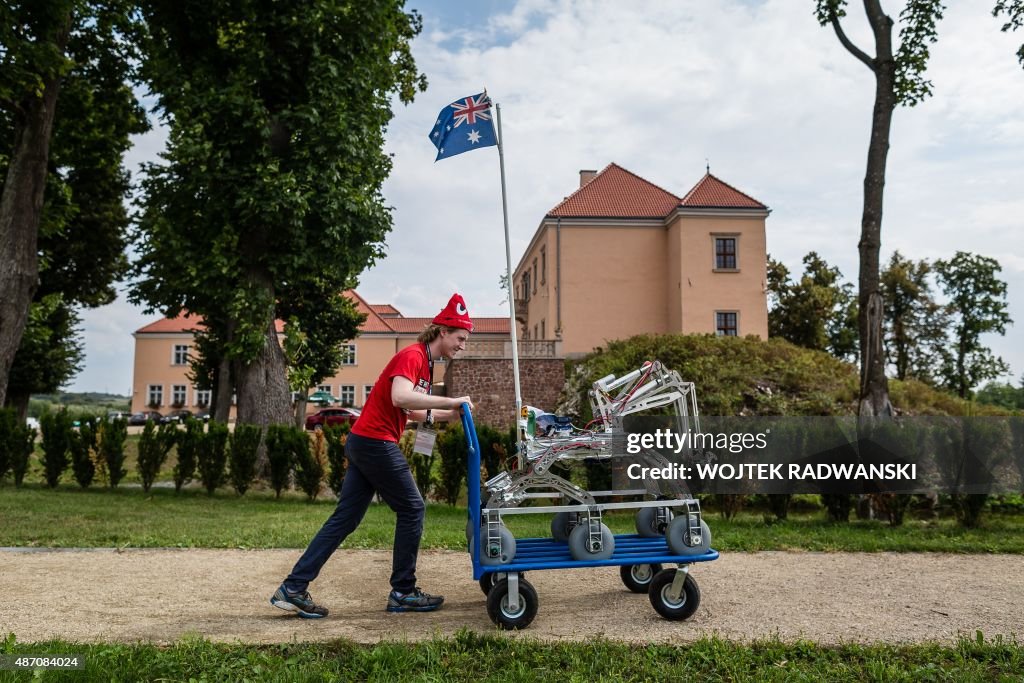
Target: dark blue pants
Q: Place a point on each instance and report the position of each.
(374, 466)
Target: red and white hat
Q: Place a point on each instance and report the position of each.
(455, 314)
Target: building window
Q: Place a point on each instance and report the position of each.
(543, 265)
(725, 253)
(542, 330)
(534, 276)
(156, 395)
(179, 393)
(180, 355)
(326, 388)
(535, 331)
(367, 388)
(348, 395)
(526, 286)
(350, 354)
(725, 323)
(203, 397)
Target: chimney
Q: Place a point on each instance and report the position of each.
(586, 176)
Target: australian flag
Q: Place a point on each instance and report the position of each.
(464, 125)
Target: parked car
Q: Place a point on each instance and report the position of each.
(117, 415)
(331, 417)
(321, 398)
(176, 417)
(203, 415)
(144, 417)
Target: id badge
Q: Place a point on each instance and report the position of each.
(424, 442)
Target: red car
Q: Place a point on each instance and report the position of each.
(331, 417)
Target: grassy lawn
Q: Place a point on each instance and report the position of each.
(472, 657)
(71, 517)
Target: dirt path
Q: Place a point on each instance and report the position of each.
(161, 595)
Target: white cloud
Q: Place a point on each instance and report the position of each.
(772, 101)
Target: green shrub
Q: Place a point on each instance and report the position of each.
(189, 442)
(212, 456)
(335, 437)
(279, 457)
(778, 503)
(493, 449)
(17, 441)
(838, 506)
(83, 443)
(310, 465)
(245, 444)
(57, 430)
(422, 465)
(113, 434)
(154, 445)
(451, 445)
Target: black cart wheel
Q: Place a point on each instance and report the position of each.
(638, 577)
(501, 614)
(673, 609)
(580, 542)
(647, 524)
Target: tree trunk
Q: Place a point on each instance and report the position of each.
(20, 208)
(300, 409)
(20, 404)
(262, 383)
(874, 388)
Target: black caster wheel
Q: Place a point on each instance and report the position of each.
(579, 542)
(638, 577)
(501, 614)
(678, 534)
(673, 609)
(647, 523)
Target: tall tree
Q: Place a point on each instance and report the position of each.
(898, 81)
(818, 311)
(82, 236)
(977, 304)
(274, 164)
(65, 116)
(1014, 12)
(915, 324)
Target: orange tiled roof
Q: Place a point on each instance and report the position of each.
(374, 323)
(617, 193)
(480, 325)
(713, 193)
(385, 310)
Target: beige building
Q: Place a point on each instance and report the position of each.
(162, 348)
(622, 256)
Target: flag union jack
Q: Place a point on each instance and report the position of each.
(472, 109)
(464, 125)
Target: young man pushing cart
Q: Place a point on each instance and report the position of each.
(376, 465)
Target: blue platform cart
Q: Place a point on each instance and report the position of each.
(512, 601)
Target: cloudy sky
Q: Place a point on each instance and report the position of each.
(754, 88)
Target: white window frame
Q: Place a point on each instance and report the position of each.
(157, 391)
(200, 394)
(349, 391)
(735, 237)
(176, 391)
(177, 349)
(326, 388)
(367, 388)
(350, 356)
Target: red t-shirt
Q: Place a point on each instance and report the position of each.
(380, 418)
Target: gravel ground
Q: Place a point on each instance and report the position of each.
(161, 595)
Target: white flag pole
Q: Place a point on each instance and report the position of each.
(511, 285)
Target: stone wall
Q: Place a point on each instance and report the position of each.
(489, 383)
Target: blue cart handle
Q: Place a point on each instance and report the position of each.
(473, 484)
